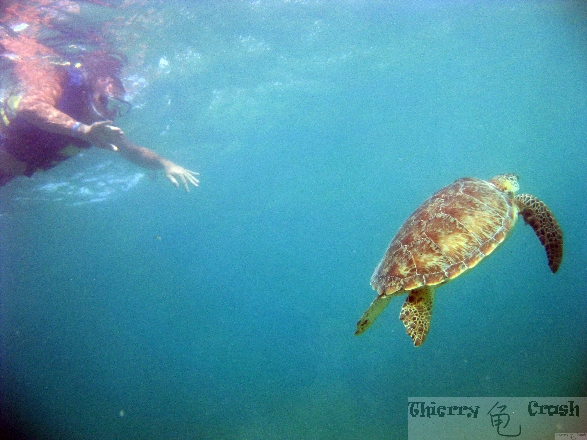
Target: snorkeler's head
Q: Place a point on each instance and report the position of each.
(107, 98)
(106, 91)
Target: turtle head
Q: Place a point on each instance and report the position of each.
(506, 182)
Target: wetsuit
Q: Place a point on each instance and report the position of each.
(38, 148)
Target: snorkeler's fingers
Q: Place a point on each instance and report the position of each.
(188, 177)
(109, 125)
(101, 124)
(191, 176)
(185, 183)
(114, 128)
(172, 179)
(176, 175)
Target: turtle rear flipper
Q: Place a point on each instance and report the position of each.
(416, 313)
(537, 215)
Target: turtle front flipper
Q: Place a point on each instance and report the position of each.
(416, 313)
(372, 313)
(537, 215)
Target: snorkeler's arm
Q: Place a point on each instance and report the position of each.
(139, 155)
(38, 107)
(40, 111)
(151, 160)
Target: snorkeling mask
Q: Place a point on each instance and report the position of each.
(107, 102)
(109, 107)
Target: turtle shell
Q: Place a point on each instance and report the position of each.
(448, 234)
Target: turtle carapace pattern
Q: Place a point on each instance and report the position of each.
(449, 234)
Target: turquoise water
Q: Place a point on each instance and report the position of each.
(132, 310)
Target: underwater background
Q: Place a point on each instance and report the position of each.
(133, 310)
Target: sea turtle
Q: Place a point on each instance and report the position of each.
(449, 234)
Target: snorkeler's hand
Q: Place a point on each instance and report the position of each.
(102, 134)
(174, 173)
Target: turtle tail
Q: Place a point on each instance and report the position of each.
(537, 215)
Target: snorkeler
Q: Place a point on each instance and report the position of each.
(54, 107)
